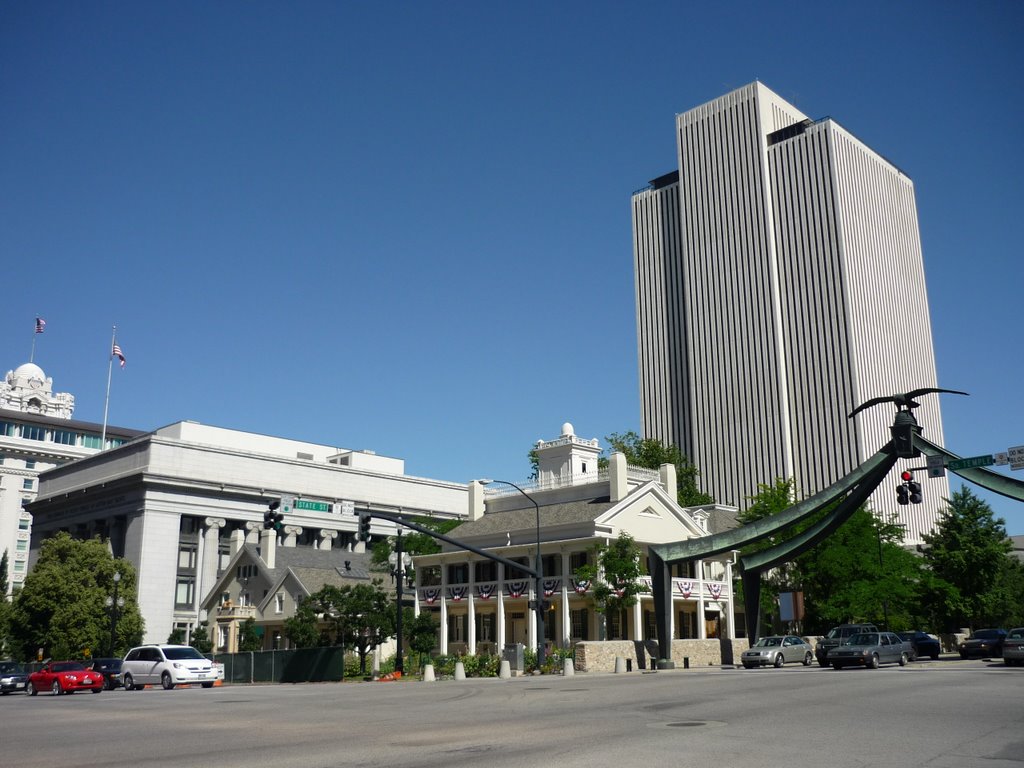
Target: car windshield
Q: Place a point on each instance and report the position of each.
(11, 668)
(987, 634)
(106, 663)
(1016, 634)
(175, 654)
(68, 666)
(865, 638)
(768, 642)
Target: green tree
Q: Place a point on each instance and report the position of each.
(652, 453)
(614, 576)
(970, 552)
(302, 628)
(177, 636)
(413, 542)
(249, 638)
(357, 615)
(5, 606)
(861, 572)
(421, 635)
(201, 639)
(62, 606)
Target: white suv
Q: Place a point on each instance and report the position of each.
(169, 665)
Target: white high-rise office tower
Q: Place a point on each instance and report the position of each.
(779, 284)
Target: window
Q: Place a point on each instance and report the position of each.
(6, 429)
(91, 441)
(579, 621)
(19, 565)
(30, 463)
(551, 565)
(486, 626)
(430, 575)
(458, 573)
(279, 602)
(27, 484)
(485, 570)
(184, 594)
(23, 524)
(222, 637)
(577, 560)
(32, 432)
(64, 437)
(457, 628)
(22, 546)
(187, 557)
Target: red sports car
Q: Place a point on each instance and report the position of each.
(64, 677)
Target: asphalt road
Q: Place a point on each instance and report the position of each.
(937, 714)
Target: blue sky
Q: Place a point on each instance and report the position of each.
(405, 227)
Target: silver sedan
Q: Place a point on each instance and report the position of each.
(777, 650)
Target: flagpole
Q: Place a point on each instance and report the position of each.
(106, 402)
(35, 332)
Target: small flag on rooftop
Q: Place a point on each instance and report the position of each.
(116, 352)
(40, 325)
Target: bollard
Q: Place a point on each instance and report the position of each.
(686, 662)
(568, 667)
(460, 670)
(428, 673)
(620, 665)
(504, 670)
(629, 665)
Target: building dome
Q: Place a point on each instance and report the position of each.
(567, 430)
(29, 371)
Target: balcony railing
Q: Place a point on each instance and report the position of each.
(232, 611)
(687, 589)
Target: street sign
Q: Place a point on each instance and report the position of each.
(313, 506)
(287, 502)
(936, 468)
(974, 461)
(1016, 457)
(1001, 458)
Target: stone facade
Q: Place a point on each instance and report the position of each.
(599, 656)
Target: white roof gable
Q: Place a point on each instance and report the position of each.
(650, 516)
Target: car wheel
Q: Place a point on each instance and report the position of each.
(822, 662)
(96, 690)
(807, 659)
(779, 660)
(30, 689)
(873, 661)
(166, 682)
(207, 685)
(903, 659)
(963, 655)
(55, 688)
(129, 683)
(837, 667)
(935, 656)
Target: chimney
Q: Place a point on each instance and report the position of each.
(237, 540)
(668, 480)
(268, 548)
(477, 506)
(618, 485)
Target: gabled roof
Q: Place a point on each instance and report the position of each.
(526, 519)
(310, 569)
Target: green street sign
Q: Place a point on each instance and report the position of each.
(974, 461)
(312, 506)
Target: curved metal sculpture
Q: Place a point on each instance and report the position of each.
(986, 478)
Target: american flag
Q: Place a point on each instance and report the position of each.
(116, 351)
(40, 325)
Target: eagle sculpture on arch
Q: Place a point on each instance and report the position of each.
(905, 400)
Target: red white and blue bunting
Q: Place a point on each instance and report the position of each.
(716, 590)
(458, 593)
(685, 588)
(485, 591)
(550, 586)
(431, 594)
(580, 585)
(517, 588)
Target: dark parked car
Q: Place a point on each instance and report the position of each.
(983, 644)
(838, 636)
(922, 644)
(111, 671)
(13, 677)
(870, 649)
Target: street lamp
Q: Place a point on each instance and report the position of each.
(538, 589)
(400, 563)
(114, 603)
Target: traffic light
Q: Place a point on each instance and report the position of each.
(909, 491)
(272, 519)
(902, 494)
(364, 526)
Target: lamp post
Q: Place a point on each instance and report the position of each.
(538, 589)
(400, 563)
(114, 603)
